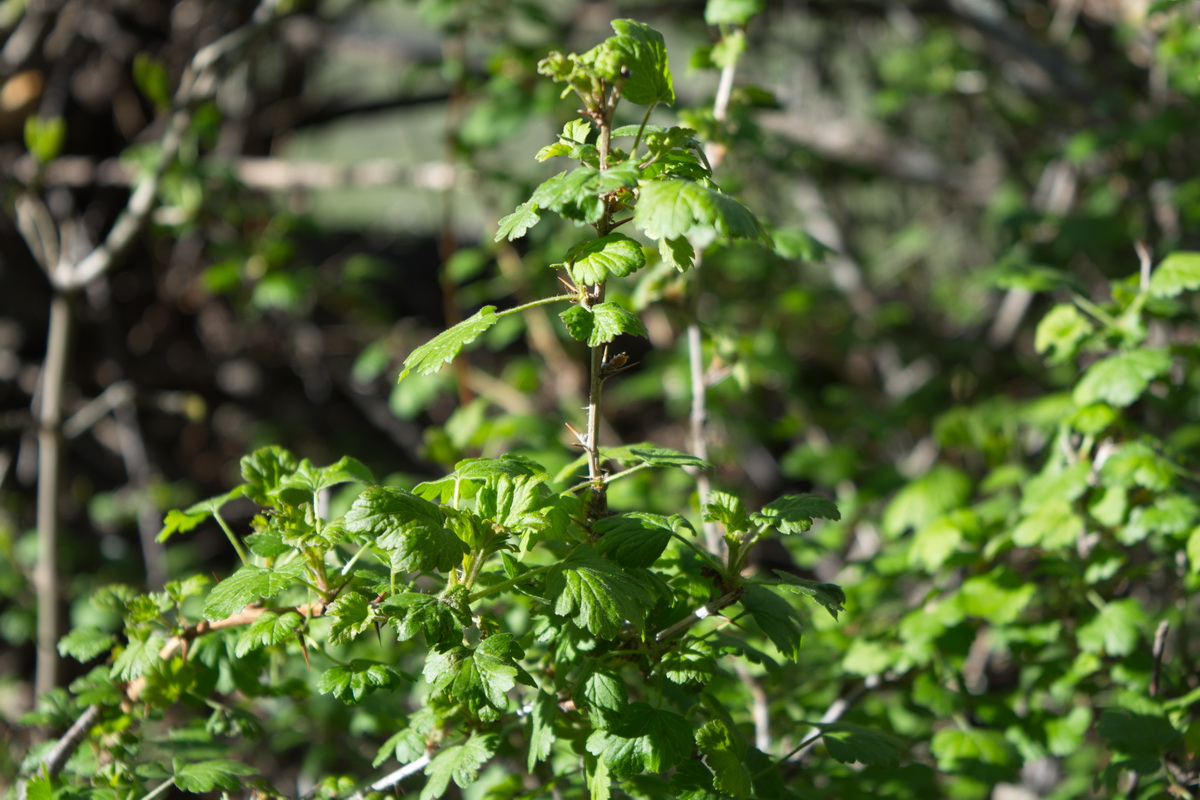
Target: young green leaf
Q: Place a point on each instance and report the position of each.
(645, 57)
(724, 752)
(478, 678)
(351, 682)
(138, 656)
(516, 224)
(352, 614)
(644, 739)
(728, 510)
(601, 692)
(445, 347)
(596, 260)
(1122, 378)
(829, 595)
(269, 629)
(264, 471)
(412, 529)
(731, 12)
(249, 584)
(1178, 272)
(578, 321)
(794, 513)
(609, 321)
(310, 479)
(205, 776)
(85, 643)
(412, 613)
(678, 252)
(460, 763)
(675, 208)
(596, 593)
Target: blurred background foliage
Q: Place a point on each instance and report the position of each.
(937, 175)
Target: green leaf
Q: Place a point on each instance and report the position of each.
(1169, 515)
(601, 692)
(634, 539)
(205, 776)
(445, 347)
(645, 57)
(478, 678)
(1053, 526)
(728, 510)
(1122, 378)
(412, 613)
(516, 224)
(249, 584)
(352, 614)
(1178, 272)
(850, 743)
(1061, 332)
(1137, 464)
(968, 750)
(998, 596)
(1114, 630)
(941, 490)
(795, 513)
(645, 739)
(934, 543)
(609, 321)
(85, 643)
(675, 208)
(725, 753)
(678, 252)
(267, 544)
(829, 595)
(575, 194)
(541, 725)
(39, 787)
(265, 470)
(655, 456)
(596, 260)
(1137, 733)
(578, 321)
(691, 661)
(268, 630)
(310, 479)
(178, 521)
(517, 504)
(351, 682)
(150, 76)
(460, 763)
(412, 529)
(44, 137)
(138, 656)
(598, 594)
(778, 620)
(731, 12)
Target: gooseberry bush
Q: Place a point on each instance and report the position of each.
(507, 626)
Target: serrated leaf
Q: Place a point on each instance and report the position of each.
(265, 470)
(516, 224)
(596, 260)
(479, 678)
(601, 692)
(85, 643)
(412, 613)
(267, 544)
(795, 513)
(516, 503)
(412, 529)
(445, 347)
(352, 614)
(578, 321)
(556, 150)
(39, 787)
(177, 521)
(655, 456)
(138, 656)
(645, 57)
(509, 464)
(250, 584)
(644, 739)
(572, 194)
(311, 479)
(675, 208)
(728, 510)
(678, 252)
(634, 539)
(541, 727)
(351, 682)
(1178, 273)
(609, 321)
(778, 620)
(459, 763)
(268, 630)
(724, 753)
(596, 593)
(829, 595)
(850, 743)
(1122, 378)
(691, 661)
(205, 776)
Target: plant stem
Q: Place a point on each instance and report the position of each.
(49, 482)
(157, 790)
(233, 540)
(535, 303)
(508, 584)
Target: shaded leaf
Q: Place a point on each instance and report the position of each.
(795, 513)
(596, 593)
(778, 620)
(269, 629)
(849, 743)
(675, 208)
(634, 539)
(645, 739)
(351, 682)
(205, 776)
(541, 723)
(829, 595)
